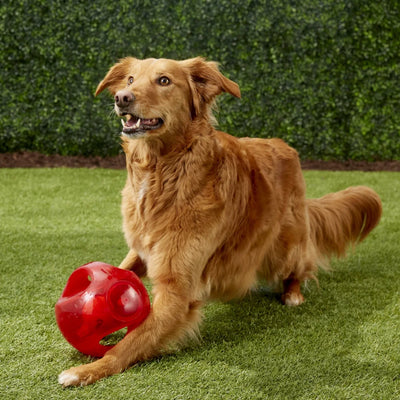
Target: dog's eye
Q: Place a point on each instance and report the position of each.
(164, 81)
(130, 80)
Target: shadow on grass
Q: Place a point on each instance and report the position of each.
(318, 347)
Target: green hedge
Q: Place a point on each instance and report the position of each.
(322, 74)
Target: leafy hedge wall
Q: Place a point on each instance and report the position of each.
(322, 74)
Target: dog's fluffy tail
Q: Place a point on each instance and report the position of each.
(339, 220)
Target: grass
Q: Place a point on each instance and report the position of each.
(343, 343)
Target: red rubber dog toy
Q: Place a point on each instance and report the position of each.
(100, 299)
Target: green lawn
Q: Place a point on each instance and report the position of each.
(343, 343)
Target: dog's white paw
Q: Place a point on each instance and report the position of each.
(292, 299)
(68, 379)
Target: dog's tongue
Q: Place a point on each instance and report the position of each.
(134, 121)
(149, 121)
(131, 122)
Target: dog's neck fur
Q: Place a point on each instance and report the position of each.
(151, 159)
(148, 151)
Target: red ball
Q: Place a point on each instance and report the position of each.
(98, 300)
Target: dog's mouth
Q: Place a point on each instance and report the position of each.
(135, 125)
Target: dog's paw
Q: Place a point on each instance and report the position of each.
(67, 378)
(292, 299)
(76, 377)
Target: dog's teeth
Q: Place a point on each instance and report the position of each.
(122, 122)
(137, 123)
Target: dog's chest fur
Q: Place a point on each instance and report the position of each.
(159, 197)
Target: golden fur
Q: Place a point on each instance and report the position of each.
(207, 214)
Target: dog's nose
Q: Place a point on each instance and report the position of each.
(123, 98)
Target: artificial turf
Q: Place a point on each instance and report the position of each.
(342, 343)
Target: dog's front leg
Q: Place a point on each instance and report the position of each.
(174, 313)
(133, 262)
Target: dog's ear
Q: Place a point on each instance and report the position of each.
(207, 82)
(115, 76)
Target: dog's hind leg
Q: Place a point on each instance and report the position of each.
(292, 292)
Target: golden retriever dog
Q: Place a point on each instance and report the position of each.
(206, 214)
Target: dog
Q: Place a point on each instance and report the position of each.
(206, 214)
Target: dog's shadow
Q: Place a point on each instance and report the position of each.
(234, 321)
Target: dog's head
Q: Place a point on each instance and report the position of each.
(159, 95)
